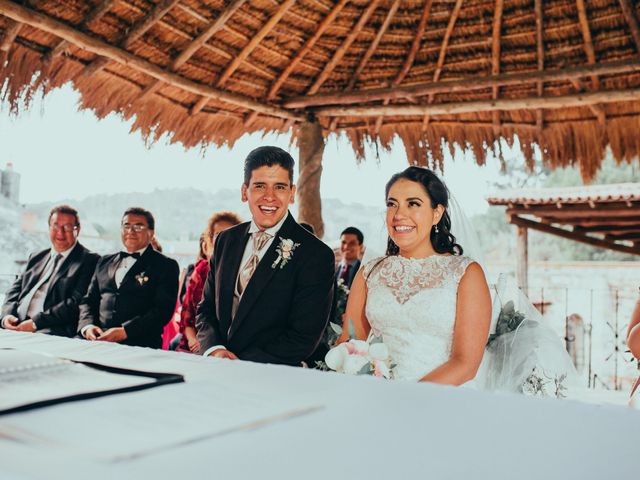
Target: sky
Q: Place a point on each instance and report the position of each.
(61, 152)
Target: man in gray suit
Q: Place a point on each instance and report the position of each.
(45, 297)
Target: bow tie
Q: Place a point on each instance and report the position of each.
(124, 255)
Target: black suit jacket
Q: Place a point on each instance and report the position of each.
(66, 288)
(143, 304)
(352, 272)
(283, 311)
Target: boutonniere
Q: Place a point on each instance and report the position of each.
(284, 251)
(142, 279)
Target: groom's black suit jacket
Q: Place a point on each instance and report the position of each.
(283, 311)
(143, 304)
(65, 289)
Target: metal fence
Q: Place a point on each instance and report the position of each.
(593, 323)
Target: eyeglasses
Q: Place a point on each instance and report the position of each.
(67, 228)
(138, 227)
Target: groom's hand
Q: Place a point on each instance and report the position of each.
(223, 353)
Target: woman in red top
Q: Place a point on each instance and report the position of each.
(218, 222)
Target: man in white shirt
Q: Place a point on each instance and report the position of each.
(132, 293)
(45, 297)
(270, 286)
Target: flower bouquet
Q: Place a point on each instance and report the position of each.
(358, 357)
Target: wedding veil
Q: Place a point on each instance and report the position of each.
(523, 354)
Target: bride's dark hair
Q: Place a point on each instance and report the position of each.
(442, 240)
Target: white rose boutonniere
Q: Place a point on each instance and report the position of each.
(142, 279)
(284, 251)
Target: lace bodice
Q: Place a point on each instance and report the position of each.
(412, 304)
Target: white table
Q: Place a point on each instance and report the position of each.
(358, 427)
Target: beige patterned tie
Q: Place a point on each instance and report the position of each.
(260, 239)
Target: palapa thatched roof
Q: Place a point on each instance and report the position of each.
(563, 74)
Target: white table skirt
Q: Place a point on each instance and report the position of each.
(358, 427)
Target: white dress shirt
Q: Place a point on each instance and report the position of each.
(36, 304)
(121, 271)
(248, 251)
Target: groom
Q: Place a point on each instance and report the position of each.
(270, 286)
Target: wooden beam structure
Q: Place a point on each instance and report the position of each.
(540, 59)
(138, 30)
(495, 58)
(246, 51)
(463, 85)
(563, 101)
(369, 53)
(575, 236)
(95, 14)
(310, 172)
(522, 259)
(632, 20)
(443, 52)
(339, 53)
(591, 57)
(50, 25)
(411, 56)
(194, 46)
(10, 34)
(308, 45)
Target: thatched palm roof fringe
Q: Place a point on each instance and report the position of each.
(560, 76)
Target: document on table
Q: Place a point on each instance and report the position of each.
(122, 427)
(32, 380)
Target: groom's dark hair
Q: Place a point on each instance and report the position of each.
(267, 157)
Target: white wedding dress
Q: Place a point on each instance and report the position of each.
(411, 303)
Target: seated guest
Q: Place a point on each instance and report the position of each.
(219, 222)
(45, 297)
(351, 249)
(132, 293)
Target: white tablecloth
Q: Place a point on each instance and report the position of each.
(354, 427)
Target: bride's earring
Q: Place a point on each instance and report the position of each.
(436, 229)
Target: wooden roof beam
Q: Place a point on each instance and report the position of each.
(308, 45)
(55, 27)
(138, 30)
(575, 236)
(540, 59)
(591, 57)
(339, 53)
(528, 103)
(10, 34)
(195, 45)
(411, 56)
(632, 21)
(495, 57)
(443, 52)
(94, 15)
(246, 51)
(463, 85)
(369, 53)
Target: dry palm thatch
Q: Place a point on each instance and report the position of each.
(560, 74)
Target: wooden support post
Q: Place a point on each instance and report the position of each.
(522, 266)
(310, 168)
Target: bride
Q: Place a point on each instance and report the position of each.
(430, 303)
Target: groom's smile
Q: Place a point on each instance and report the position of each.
(269, 195)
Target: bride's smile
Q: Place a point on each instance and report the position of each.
(411, 218)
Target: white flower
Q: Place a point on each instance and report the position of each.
(354, 363)
(285, 252)
(335, 357)
(379, 351)
(361, 345)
